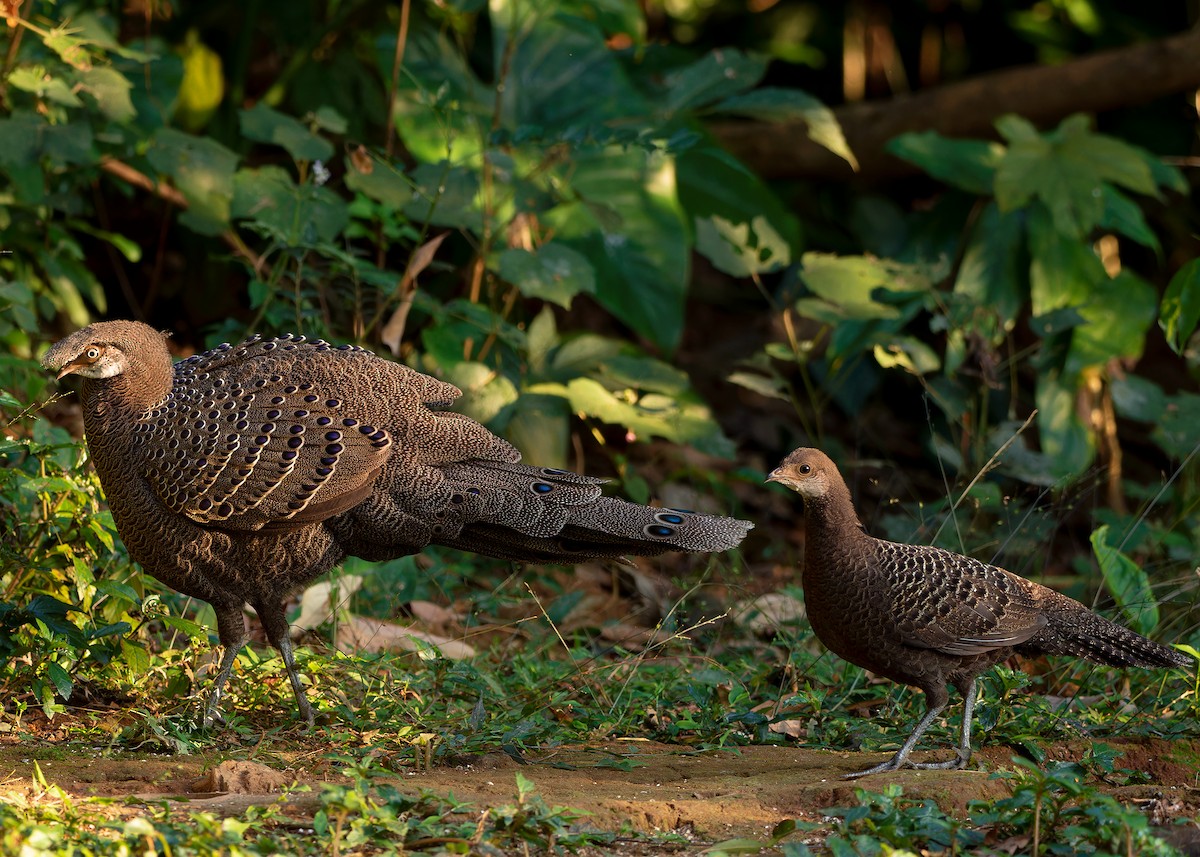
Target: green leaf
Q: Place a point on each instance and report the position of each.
(742, 249)
(1178, 428)
(1138, 398)
(38, 81)
(1122, 215)
(328, 119)
(192, 629)
(22, 136)
(1117, 316)
(202, 169)
(772, 104)
(715, 76)
(540, 427)
(1179, 312)
(966, 164)
(771, 387)
(1063, 271)
(558, 70)
(265, 125)
(381, 182)
(110, 88)
(1067, 170)
(850, 284)
(118, 590)
(991, 270)
(485, 391)
(678, 419)
(1067, 442)
(136, 657)
(627, 221)
(60, 678)
(712, 182)
(297, 215)
(553, 272)
(907, 353)
(445, 196)
(1127, 582)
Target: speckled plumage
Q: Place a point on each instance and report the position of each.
(930, 618)
(241, 474)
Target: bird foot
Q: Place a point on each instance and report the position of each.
(898, 762)
(212, 716)
(955, 764)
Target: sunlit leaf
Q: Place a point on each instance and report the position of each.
(1127, 582)
(1179, 312)
(773, 104)
(265, 125)
(967, 164)
(552, 272)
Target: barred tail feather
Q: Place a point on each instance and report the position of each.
(1085, 634)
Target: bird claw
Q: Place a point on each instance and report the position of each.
(212, 717)
(895, 764)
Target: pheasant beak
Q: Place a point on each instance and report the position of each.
(70, 368)
(775, 475)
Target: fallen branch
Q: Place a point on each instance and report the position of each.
(1044, 94)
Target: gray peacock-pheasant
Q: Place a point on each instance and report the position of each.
(926, 617)
(241, 474)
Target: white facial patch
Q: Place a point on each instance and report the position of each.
(105, 369)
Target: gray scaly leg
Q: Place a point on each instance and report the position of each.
(231, 631)
(935, 701)
(275, 623)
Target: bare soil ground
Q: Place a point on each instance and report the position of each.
(704, 797)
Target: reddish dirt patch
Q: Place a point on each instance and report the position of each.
(707, 796)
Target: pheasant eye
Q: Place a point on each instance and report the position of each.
(92, 353)
(805, 468)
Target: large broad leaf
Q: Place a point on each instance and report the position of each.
(1116, 318)
(720, 195)
(265, 125)
(852, 285)
(445, 195)
(990, 271)
(628, 224)
(1062, 270)
(715, 76)
(485, 392)
(557, 68)
(678, 419)
(742, 249)
(1067, 170)
(540, 426)
(1180, 310)
(772, 104)
(202, 169)
(1127, 582)
(110, 88)
(554, 272)
(1178, 429)
(442, 110)
(377, 179)
(967, 164)
(297, 215)
(1066, 441)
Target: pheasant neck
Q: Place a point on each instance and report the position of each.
(831, 529)
(145, 383)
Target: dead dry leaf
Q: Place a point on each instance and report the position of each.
(374, 635)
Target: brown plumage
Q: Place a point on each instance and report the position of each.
(930, 618)
(241, 474)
